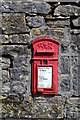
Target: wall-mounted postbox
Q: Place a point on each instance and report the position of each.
(44, 66)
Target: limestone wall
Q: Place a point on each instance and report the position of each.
(22, 22)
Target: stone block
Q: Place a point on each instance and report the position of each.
(30, 8)
(5, 76)
(20, 74)
(67, 10)
(74, 49)
(18, 87)
(76, 22)
(16, 50)
(22, 61)
(75, 77)
(34, 22)
(14, 23)
(76, 40)
(65, 48)
(72, 109)
(65, 65)
(15, 38)
(36, 110)
(58, 24)
(65, 84)
(60, 34)
(5, 89)
(5, 63)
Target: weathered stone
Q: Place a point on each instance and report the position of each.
(38, 7)
(74, 48)
(75, 31)
(67, 10)
(65, 48)
(18, 87)
(76, 22)
(58, 23)
(36, 110)
(16, 38)
(25, 7)
(76, 41)
(5, 76)
(14, 50)
(59, 34)
(5, 63)
(65, 65)
(75, 63)
(6, 88)
(73, 108)
(19, 74)
(36, 21)
(22, 61)
(65, 84)
(14, 23)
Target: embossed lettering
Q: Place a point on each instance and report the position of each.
(45, 45)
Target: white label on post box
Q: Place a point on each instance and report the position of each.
(44, 77)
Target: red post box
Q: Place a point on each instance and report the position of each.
(44, 66)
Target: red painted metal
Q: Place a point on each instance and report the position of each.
(45, 49)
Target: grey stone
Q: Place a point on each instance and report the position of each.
(6, 88)
(22, 61)
(65, 48)
(5, 76)
(75, 101)
(38, 7)
(5, 63)
(15, 38)
(76, 41)
(72, 108)
(65, 84)
(18, 87)
(75, 63)
(75, 31)
(26, 7)
(58, 23)
(65, 65)
(57, 33)
(67, 10)
(15, 50)
(36, 21)
(14, 23)
(19, 74)
(76, 22)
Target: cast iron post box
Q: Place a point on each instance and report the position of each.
(44, 66)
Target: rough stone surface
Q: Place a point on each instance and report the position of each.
(21, 23)
(67, 10)
(65, 65)
(5, 63)
(35, 22)
(14, 23)
(76, 40)
(65, 85)
(26, 7)
(76, 22)
(15, 38)
(58, 23)
(5, 76)
(73, 108)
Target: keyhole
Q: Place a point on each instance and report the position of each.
(44, 61)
